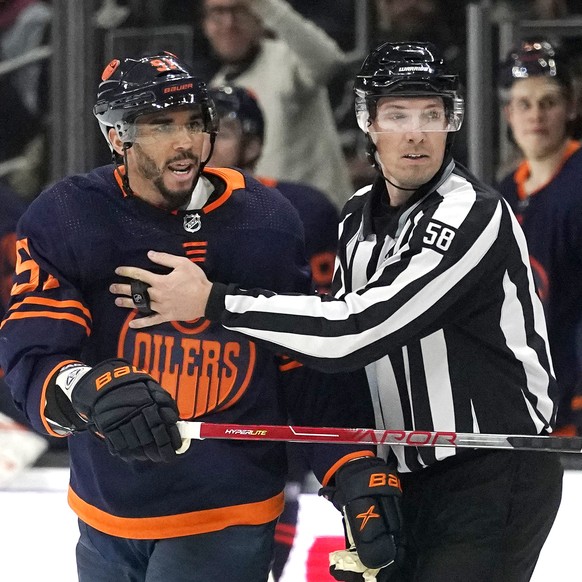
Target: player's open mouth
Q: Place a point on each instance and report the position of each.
(181, 168)
(415, 156)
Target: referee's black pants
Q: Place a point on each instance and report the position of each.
(482, 517)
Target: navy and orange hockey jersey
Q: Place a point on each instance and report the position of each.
(70, 241)
(551, 218)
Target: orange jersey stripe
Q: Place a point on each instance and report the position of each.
(184, 524)
(286, 528)
(195, 244)
(50, 315)
(283, 539)
(118, 172)
(54, 303)
(522, 173)
(289, 366)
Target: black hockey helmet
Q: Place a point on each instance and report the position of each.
(407, 69)
(535, 58)
(133, 87)
(233, 102)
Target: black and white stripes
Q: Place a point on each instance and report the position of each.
(440, 306)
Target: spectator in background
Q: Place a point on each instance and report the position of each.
(239, 143)
(336, 17)
(545, 192)
(17, 124)
(24, 26)
(289, 75)
(530, 9)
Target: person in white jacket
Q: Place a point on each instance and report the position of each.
(289, 74)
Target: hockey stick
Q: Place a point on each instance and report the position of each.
(413, 438)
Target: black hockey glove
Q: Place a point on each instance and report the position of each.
(367, 492)
(130, 410)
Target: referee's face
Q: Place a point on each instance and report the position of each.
(410, 137)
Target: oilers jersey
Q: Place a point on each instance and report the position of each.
(551, 218)
(70, 241)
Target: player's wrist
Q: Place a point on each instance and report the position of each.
(59, 411)
(68, 377)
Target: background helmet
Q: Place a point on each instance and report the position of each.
(133, 87)
(534, 58)
(239, 103)
(406, 69)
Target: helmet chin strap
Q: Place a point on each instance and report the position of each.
(371, 154)
(399, 187)
(125, 175)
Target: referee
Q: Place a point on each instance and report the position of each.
(433, 294)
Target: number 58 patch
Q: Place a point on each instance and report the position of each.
(438, 236)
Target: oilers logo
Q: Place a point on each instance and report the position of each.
(192, 222)
(204, 367)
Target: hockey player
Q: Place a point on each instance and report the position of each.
(77, 369)
(544, 192)
(239, 143)
(433, 294)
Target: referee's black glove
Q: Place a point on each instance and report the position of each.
(128, 409)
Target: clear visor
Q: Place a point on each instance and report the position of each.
(403, 115)
(155, 132)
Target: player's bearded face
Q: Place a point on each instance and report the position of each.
(164, 159)
(166, 175)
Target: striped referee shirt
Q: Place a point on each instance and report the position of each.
(437, 301)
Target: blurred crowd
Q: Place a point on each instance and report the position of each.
(327, 62)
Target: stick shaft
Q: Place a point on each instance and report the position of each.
(416, 438)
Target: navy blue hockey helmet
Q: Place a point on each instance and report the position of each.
(233, 102)
(406, 69)
(534, 58)
(133, 87)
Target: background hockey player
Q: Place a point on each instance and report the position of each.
(544, 192)
(240, 144)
